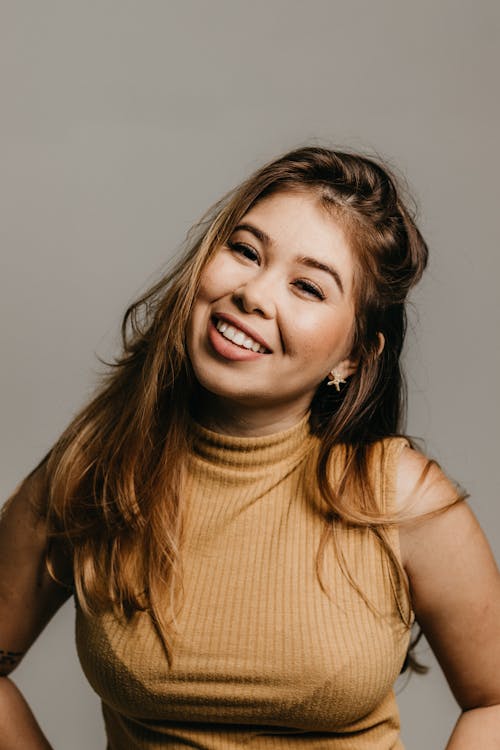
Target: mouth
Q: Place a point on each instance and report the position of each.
(230, 330)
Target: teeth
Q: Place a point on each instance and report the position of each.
(238, 337)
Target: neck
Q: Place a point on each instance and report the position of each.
(241, 420)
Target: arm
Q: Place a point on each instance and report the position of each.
(455, 591)
(18, 726)
(28, 599)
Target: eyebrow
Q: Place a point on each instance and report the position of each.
(302, 260)
(313, 263)
(262, 236)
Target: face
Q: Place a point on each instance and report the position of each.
(275, 309)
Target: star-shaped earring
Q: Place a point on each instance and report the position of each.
(335, 379)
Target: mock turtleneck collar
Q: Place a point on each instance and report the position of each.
(251, 453)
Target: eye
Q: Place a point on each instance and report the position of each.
(309, 288)
(244, 250)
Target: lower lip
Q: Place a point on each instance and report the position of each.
(227, 349)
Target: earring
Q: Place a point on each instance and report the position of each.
(335, 379)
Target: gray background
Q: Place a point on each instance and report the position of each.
(122, 121)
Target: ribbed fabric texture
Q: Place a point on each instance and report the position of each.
(263, 657)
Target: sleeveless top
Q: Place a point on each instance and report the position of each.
(263, 655)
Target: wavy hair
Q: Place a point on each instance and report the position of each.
(114, 479)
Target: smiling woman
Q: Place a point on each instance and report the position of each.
(248, 548)
(298, 309)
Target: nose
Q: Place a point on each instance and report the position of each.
(256, 296)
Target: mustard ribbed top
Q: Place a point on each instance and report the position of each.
(262, 656)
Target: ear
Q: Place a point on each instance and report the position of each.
(349, 365)
(345, 367)
(381, 343)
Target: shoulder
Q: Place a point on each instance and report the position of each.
(421, 486)
(453, 579)
(430, 508)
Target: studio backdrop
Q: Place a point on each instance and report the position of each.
(123, 121)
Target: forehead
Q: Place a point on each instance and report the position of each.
(296, 225)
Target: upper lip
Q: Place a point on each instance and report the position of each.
(242, 327)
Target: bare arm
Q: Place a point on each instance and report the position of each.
(455, 590)
(18, 727)
(28, 599)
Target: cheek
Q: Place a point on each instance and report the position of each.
(211, 288)
(322, 337)
(206, 288)
(213, 281)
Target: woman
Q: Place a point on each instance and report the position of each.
(248, 536)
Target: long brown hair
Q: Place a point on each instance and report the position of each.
(114, 478)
